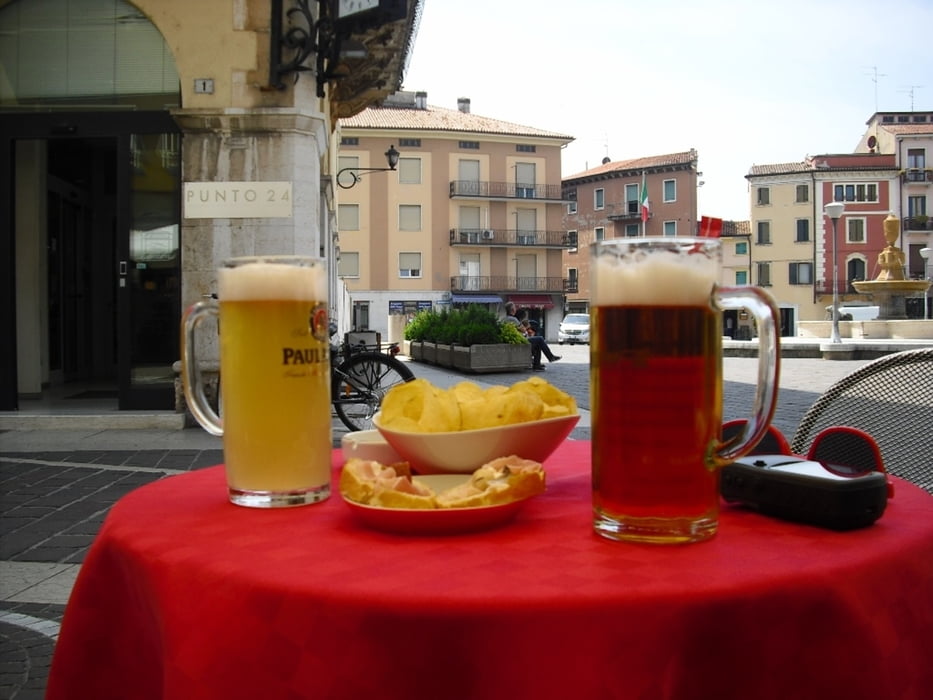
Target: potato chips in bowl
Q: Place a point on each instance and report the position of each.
(456, 430)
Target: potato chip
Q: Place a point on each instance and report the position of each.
(419, 406)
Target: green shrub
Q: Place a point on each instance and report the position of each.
(472, 325)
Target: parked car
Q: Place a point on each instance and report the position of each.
(575, 328)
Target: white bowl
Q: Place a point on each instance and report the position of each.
(464, 451)
(368, 444)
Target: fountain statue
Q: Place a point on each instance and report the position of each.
(891, 286)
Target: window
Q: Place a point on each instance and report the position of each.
(348, 217)
(741, 248)
(572, 241)
(409, 264)
(764, 232)
(348, 265)
(670, 228)
(803, 230)
(855, 270)
(409, 143)
(916, 206)
(855, 230)
(801, 273)
(348, 162)
(631, 230)
(409, 217)
(600, 233)
(670, 190)
(632, 203)
(764, 195)
(349, 141)
(409, 171)
(741, 276)
(599, 199)
(764, 274)
(572, 208)
(525, 148)
(472, 145)
(916, 158)
(573, 281)
(803, 193)
(525, 176)
(856, 192)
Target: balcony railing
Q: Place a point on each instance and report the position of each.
(511, 237)
(505, 190)
(917, 175)
(507, 283)
(917, 223)
(629, 210)
(842, 286)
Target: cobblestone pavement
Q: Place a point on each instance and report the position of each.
(56, 489)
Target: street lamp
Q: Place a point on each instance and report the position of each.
(391, 158)
(925, 254)
(834, 210)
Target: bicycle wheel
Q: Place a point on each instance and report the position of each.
(360, 384)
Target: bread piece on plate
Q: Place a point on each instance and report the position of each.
(500, 481)
(363, 480)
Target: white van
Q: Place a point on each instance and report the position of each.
(858, 313)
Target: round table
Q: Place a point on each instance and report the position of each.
(184, 595)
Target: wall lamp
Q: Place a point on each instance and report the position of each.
(355, 173)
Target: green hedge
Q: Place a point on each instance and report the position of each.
(472, 325)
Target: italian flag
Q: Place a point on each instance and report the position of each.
(644, 199)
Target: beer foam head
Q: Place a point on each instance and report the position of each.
(272, 281)
(653, 278)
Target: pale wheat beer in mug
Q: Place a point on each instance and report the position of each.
(656, 386)
(274, 379)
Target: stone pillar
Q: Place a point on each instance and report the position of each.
(250, 145)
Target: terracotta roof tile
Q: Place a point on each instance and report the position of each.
(441, 119)
(781, 168)
(638, 164)
(907, 129)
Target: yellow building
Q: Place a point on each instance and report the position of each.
(471, 215)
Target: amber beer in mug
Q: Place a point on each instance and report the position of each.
(656, 383)
(274, 379)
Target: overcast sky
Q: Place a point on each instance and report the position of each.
(744, 82)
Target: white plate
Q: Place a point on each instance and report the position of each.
(437, 521)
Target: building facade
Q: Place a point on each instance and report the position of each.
(142, 143)
(606, 202)
(471, 215)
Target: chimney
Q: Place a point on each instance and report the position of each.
(463, 104)
(421, 100)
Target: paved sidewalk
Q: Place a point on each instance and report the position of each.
(56, 487)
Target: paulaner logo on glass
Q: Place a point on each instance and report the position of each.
(232, 200)
(303, 356)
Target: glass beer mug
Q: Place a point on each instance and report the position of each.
(274, 378)
(656, 383)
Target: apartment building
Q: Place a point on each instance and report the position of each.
(909, 137)
(471, 214)
(792, 241)
(606, 202)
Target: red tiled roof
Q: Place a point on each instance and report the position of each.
(441, 119)
(638, 164)
(780, 168)
(907, 129)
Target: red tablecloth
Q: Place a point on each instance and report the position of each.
(186, 596)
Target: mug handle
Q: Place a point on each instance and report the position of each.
(760, 304)
(191, 370)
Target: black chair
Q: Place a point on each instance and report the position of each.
(891, 399)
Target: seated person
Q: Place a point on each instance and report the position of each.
(538, 343)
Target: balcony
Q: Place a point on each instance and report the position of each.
(507, 283)
(917, 223)
(917, 176)
(511, 237)
(505, 191)
(630, 210)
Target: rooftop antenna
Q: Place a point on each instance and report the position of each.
(874, 78)
(910, 91)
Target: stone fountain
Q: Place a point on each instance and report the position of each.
(891, 287)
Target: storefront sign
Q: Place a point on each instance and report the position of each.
(409, 307)
(237, 200)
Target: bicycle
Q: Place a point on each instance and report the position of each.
(361, 375)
